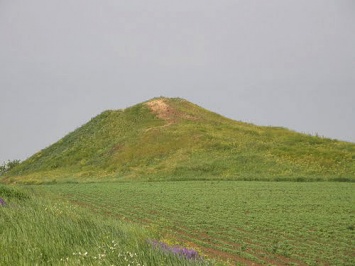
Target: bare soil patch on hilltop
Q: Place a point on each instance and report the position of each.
(166, 112)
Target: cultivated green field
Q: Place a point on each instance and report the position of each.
(277, 223)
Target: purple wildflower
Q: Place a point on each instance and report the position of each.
(184, 252)
(176, 250)
(2, 202)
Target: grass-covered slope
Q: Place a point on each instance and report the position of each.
(175, 139)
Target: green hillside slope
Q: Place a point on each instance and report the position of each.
(173, 139)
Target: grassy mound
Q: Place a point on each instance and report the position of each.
(173, 139)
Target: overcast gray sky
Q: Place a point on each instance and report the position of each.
(287, 63)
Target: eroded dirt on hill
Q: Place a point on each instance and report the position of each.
(166, 112)
(161, 109)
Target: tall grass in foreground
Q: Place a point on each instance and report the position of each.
(40, 231)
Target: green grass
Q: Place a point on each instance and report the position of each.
(278, 223)
(42, 230)
(191, 143)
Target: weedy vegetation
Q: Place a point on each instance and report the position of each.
(7, 166)
(37, 230)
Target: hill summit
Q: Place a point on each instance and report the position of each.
(173, 139)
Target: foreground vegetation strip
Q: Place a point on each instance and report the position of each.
(262, 222)
(39, 229)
